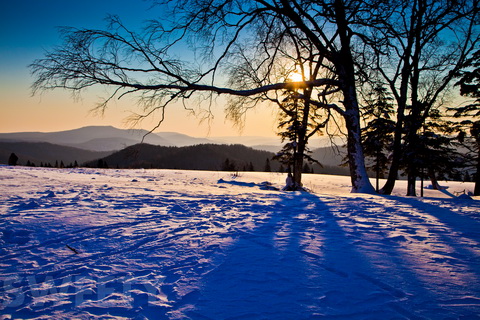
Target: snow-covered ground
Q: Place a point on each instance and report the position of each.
(165, 244)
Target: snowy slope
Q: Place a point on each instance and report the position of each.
(165, 244)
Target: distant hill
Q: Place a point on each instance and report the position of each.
(94, 138)
(183, 140)
(109, 139)
(106, 144)
(106, 138)
(329, 156)
(204, 157)
(43, 152)
(198, 157)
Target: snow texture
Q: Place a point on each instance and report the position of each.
(166, 244)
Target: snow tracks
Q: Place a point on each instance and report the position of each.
(159, 244)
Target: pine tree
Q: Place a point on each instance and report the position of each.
(298, 122)
(469, 83)
(229, 165)
(377, 136)
(268, 168)
(13, 159)
(436, 153)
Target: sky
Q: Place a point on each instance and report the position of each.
(29, 28)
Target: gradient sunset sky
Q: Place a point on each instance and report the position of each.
(30, 27)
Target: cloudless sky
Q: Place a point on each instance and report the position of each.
(30, 27)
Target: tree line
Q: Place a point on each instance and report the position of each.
(13, 161)
(379, 72)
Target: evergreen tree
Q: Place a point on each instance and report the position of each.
(469, 83)
(377, 136)
(267, 166)
(299, 120)
(229, 165)
(102, 164)
(436, 153)
(30, 164)
(13, 159)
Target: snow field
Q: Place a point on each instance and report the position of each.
(166, 244)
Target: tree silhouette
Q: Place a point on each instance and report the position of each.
(256, 44)
(417, 51)
(13, 159)
(377, 135)
(246, 49)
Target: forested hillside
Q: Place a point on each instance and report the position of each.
(198, 157)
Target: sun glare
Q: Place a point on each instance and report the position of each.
(295, 77)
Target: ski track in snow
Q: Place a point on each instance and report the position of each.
(166, 244)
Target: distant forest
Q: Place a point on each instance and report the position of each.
(212, 157)
(197, 157)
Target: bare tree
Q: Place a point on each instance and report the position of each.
(145, 63)
(418, 49)
(304, 108)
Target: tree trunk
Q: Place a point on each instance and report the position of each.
(356, 159)
(298, 161)
(433, 179)
(396, 155)
(346, 73)
(476, 191)
(297, 170)
(412, 170)
(401, 106)
(411, 185)
(377, 170)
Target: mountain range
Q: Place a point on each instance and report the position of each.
(103, 138)
(97, 142)
(107, 138)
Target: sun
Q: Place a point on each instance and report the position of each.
(295, 77)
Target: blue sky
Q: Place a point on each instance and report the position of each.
(30, 27)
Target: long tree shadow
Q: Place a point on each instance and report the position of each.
(454, 237)
(304, 263)
(292, 256)
(446, 211)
